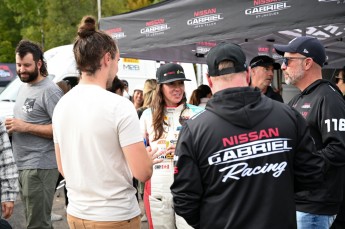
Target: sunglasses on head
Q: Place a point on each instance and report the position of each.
(286, 59)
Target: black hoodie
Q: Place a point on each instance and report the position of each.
(323, 106)
(240, 162)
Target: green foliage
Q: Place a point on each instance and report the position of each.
(9, 36)
(51, 22)
(113, 7)
(63, 18)
(137, 4)
(6, 52)
(29, 15)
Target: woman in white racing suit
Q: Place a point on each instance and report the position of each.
(160, 126)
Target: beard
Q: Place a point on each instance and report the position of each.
(294, 77)
(32, 76)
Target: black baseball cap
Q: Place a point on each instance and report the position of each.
(306, 46)
(170, 72)
(263, 61)
(225, 51)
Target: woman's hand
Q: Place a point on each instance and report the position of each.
(153, 154)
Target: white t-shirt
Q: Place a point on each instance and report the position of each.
(91, 125)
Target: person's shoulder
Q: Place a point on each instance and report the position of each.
(280, 105)
(197, 115)
(321, 87)
(118, 100)
(328, 92)
(195, 109)
(48, 83)
(50, 87)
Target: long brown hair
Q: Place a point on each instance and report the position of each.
(158, 111)
(149, 92)
(91, 45)
(201, 92)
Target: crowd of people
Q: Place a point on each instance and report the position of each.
(233, 156)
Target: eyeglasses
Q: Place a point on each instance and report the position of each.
(286, 59)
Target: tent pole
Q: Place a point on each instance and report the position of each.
(99, 9)
(199, 74)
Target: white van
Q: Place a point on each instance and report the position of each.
(61, 66)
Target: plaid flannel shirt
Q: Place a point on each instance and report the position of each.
(9, 187)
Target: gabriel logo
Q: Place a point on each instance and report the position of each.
(155, 27)
(116, 33)
(206, 17)
(263, 8)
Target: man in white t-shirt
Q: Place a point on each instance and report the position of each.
(97, 138)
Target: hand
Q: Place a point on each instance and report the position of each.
(14, 125)
(153, 154)
(7, 209)
(170, 151)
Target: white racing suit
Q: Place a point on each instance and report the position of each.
(158, 201)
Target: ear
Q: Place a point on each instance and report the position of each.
(308, 63)
(107, 58)
(39, 64)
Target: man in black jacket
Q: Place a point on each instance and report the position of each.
(321, 104)
(261, 75)
(241, 160)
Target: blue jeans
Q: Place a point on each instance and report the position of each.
(312, 221)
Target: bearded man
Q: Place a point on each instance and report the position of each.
(322, 105)
(32, 135)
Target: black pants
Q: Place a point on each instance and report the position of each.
(64, 188)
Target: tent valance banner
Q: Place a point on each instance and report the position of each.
(184, 30)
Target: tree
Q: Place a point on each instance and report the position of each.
(51, 22)
(113, 7)
(63, 18)
(29, 15)
(137, 4)
(9, 36)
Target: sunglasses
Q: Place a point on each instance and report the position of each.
(286, 59)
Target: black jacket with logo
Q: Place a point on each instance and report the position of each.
(323, 106)
(240, 162)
